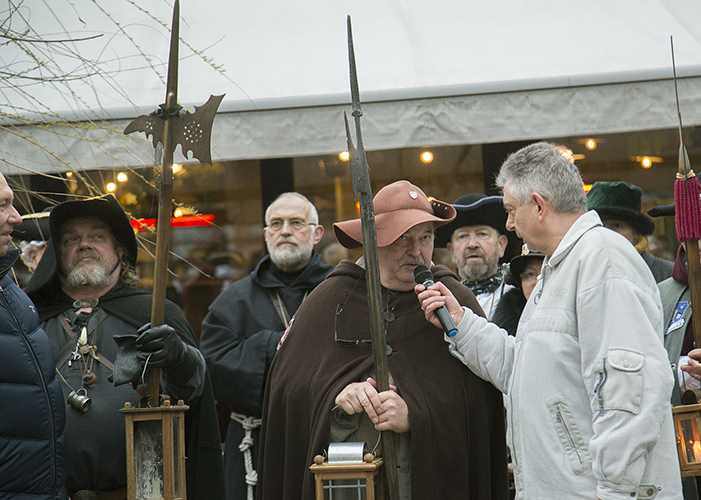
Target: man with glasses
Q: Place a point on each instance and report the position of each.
(321, 386)
(241, 332)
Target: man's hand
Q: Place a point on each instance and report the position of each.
(435, 296)
(693, 367)
(162, 343)
(387, 410)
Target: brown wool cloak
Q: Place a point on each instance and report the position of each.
(457, 419)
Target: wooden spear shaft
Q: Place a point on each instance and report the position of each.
(360, 175)
(692, 257)
(164, 181)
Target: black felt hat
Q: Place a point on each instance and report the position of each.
(620, 201)
(516, 265)
(474, 209)
(34, 227)
(662, 211)
(107, 209)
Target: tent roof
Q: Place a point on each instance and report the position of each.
(452, 72)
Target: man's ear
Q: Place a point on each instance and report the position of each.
(541, 204)
(503, 242)
(318, 233)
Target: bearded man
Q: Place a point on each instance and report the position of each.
(448, 423)
(476, 240)
(85, 290)
(244, 325)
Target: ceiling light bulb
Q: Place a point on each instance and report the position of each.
(590, 144)
(111, 187)
(646, 162)
(122, 177)
(344, 155)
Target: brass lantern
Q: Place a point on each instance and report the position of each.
(359, 478)
(687, 427)
(156, 451)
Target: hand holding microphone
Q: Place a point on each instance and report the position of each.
(424, 276)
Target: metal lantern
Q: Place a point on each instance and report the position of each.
(156, 451)
(346, 477)
(687, 427)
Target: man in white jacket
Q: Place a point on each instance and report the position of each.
(586, 378)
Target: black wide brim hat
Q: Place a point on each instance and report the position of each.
(516, 265)
(107, 209)
(620, 201)
(662, 211)
(472, 210)
(34, 227)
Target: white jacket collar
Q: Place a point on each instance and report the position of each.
(585, 223)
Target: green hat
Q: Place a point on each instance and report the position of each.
(620, 201)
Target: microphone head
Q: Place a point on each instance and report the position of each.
(422, 274)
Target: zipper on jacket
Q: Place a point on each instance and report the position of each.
(43, 383)
(561, 420)
(599, 389)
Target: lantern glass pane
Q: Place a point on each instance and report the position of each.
(690, 439)
(347, 489)
(344, 489)
(176, 454)
(148, 454)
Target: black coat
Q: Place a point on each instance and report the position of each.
(240, 335)
(203, 450)
(32, 406)
(509, 309)
(458, 443)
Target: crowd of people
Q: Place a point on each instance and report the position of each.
(564, 367)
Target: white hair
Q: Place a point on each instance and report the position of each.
(313, 214)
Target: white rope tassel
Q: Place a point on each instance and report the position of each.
(248, 424)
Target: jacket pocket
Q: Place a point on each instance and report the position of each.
(623, 388)
(570, 437)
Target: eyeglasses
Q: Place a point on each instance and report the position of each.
(529, 276)
(349, 343)
(295, 224)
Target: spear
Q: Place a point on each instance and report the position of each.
(687, 201)
(362, 191)
(170, 126)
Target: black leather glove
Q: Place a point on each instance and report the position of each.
(162, 343)
(167, 351)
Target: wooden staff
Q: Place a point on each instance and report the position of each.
(170, 126)
(360, 175)
(687, 201)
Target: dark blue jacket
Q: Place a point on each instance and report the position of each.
(32, 407)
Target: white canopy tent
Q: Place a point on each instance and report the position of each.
(431, 73)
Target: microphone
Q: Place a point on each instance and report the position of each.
(424, 276)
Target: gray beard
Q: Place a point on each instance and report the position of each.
(475, 271)
(89, 277)
(292, 258)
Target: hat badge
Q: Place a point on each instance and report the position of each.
(413, 195)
